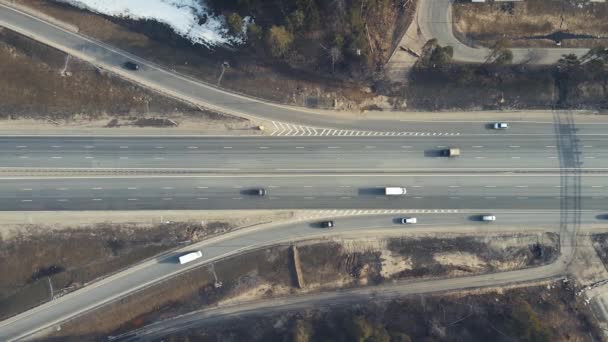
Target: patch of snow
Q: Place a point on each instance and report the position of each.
(191, 19)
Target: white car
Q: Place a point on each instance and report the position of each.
(408, 220)
(501, 125)
(488, 218)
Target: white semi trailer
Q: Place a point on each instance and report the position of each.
(394, 191)
(186, 258)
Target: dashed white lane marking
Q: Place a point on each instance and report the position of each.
(333, 146)
(345, 197)
(62, 200)
(406, 146)
(521, 186)
(131, 199)
(159, 147)
(441, 146)
(24, 157)
(62, 189)
(369, 147)
(89, 157)
(26, 200)
(21, 146)
(284, 129)
(514, 146)
(97, 199)
(227, 147)
(589, 157)
(159, 158)
(123, 147)
(491, 197)
(131, 188)
(263, 147)
(489, 186)
(477, 146)
(202, 198)
(308, 197)
(202, 187)
(454, 197)
(453, 186)
(167, 199)
(515, 157)
(299, 146)
(89, 146)
(587, 146)
(55, 146)
(557, 186)
(56, 157)
(96, 188)
(552, 157)
(237, 198)
(168, 188)
(26, 189)
(123, 158)
(522, 197)
(550, 146)
(597, 186)
(308, 186)
(413, 186)
(418, 197)
(192, 147)
(273, 186)
(480, 157)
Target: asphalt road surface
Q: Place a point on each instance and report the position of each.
(500, 151)
(424, 191)
(165, 266)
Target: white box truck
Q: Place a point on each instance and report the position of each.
(190, 257)
(394, 191)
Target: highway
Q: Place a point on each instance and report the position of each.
(522, 175)
(425, 191)
(166, 266)
(497, 151)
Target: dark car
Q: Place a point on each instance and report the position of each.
(131, 65)
(327, 224)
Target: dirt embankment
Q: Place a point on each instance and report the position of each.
(324, 265)
(39, 82)
(574, 23)
(547, 312)
(44, 263)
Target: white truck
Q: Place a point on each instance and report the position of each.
(186, 258)
(394, 191)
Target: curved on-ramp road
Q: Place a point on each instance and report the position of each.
(434, 18)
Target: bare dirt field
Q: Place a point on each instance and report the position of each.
(43, 84)
(546, 312)
(51, 259)
(484, 23)
(324, 265)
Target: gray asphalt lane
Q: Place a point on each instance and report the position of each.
(542, 191)
(166, 266)
(271, 155)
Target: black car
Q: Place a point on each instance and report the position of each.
(131, 65)
(327, 224)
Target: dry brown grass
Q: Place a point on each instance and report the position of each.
(487, 22)
(33, 86)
